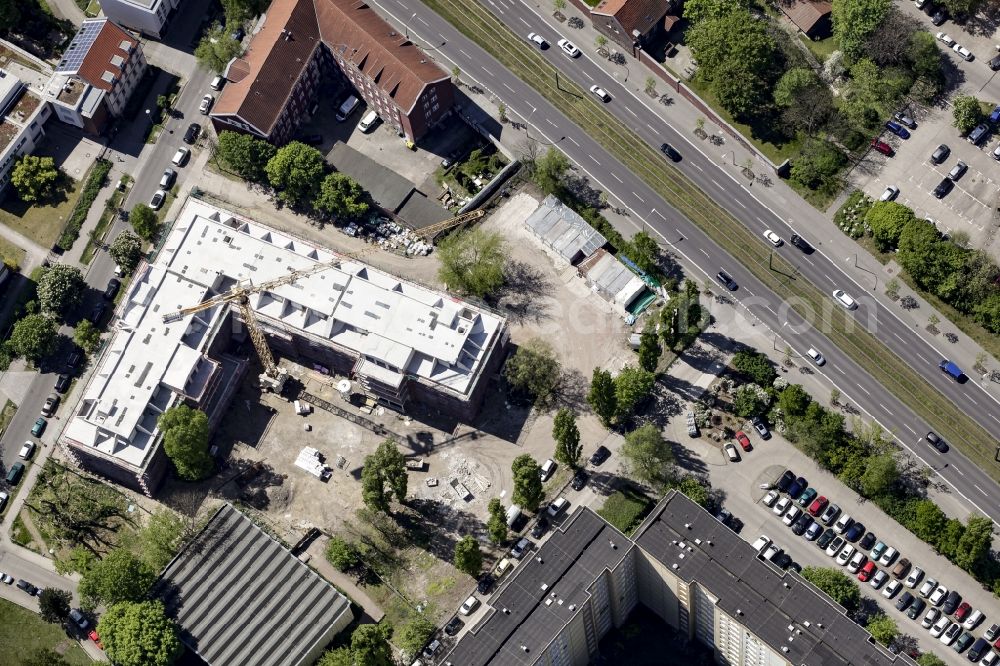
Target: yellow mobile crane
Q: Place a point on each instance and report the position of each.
(433, 230)
(273, 377)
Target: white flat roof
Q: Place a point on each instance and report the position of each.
(397, 326)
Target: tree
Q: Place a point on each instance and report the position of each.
(567, 436)
(143, 219)
(527, 483)
(806, 100)
(10, 14)
(974, 545)
(342, 197)
(496, 527)
(185, 441)
(756, 366)
(120, 576)
(928, 521)
(966, 113)
(872, 92)
(854, 21)
(644, 251)
(126, 250)
(818, 166)
(468, 557)
(53, 605)
(342, 554)
(962, 8)
(473, 261)
(648, 456)
(649, 349)
(383, 476)
(930, 659)
(741, 91)
(60, 289)
(882, 628)
(533, 371)
(836, 584)
(139, 634)
(34, 337)
(87, 336)
(880, 475)
(370, 645)
(414, 636)
(241, 11)
(339, 657)
(550, 171)
(160, 539)
(45, 657)
(696, 11)
(297, 171)
(601, 41)
(747, 401)
(632, 386)
(601, 397)
(245, 154)
(793, 401)
(34, 177)
(217, 48)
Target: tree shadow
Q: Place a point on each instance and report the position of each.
(686, 459)
(986, 21)
(572, 391)
(437, 526)
(522, 297)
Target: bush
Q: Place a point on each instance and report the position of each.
(342, 554)
(625, 509)
(95, 181)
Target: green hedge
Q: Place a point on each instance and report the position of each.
(95, 181)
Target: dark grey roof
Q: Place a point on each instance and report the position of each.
(388, 188)
(420, 211)
(522, 613)
(240, 597)
(780, 608)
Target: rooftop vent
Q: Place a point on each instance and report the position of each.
(739, 612)
(505, 611)
(807, 623)
(784, 649)
(697, 541)
(525, 648)
(613, 545)
(673, 566)
(687, 525)
(572, 607)
(545, 586)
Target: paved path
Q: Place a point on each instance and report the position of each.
(67, 9)
(342, 581)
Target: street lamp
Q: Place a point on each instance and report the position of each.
(407, 26)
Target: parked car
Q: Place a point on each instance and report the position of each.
(844, 522)
(963, 53)
(882, 147)
(470, 605)
(26, 450)
(977, 135)
(579, 479)
(813, 532)
(945, 39)
(824, 539)
(770, 498)
(897, 129)
(484, 584)
(454, 625)
(845, 554)
(928, 587)
(951, 633)
(830, 514)
(940, 154)
(904, 601)
(541, 525)
(963, 611)
(761, 428)
(114, 284)
(995, 63)
(806, 498)
(904, 119)
(731, 452)
(878, 579)
(78, 619)
(743, 440)
(520, 548)
(818, 505)
(816, 357)
(97, 312)
(39, 427)
(181, 156)
(901, 569)
(916, 608)
(557, 507)
(206, 104)
(791, 515)
(943, 188)
(940, 16)
(3, 502)
(547, 469)
(51, 404)
(854, 532)
(798, 487)
(217, 82)
(785, 480)
(932, 616)
(889, 194)
(867, 541)
(781, 506)
(888, 556)
(600, 455)
(940, 626)
(801, 243)
(835, 547)
(25, 586)
(191, 135)
(938, 595)
(857, 560)
(914, 578)
(867, 571)
(761, 544)
(891, 589)
(62, 383)
(159, 196)
(167, 179)
(978, 649)
(951, 602)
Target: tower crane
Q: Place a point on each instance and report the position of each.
(239, 294)
(433, 230)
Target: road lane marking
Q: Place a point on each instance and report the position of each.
(698, 167)
(524, 22)
(761, 221)
(828, 277)
(748, 291)
(973, 401)
(809, 261)
(631, 111)
(772, 311)
(421, 19)
(703, 252)
(994, 418)
(886, 409)
(651, 128)
(741, 203)
(574, 141)
(956, 469)
(923, 357)
(910, 429)
(616, 178)
(717, 184)
(550, 122)
(976, 486)
(508, 87)
(863, 389)
(638, 197)
(593, 158)
(465, 54)
(898, 337)
(840, 370)
(487, 71)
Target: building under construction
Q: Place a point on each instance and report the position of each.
(181, 336)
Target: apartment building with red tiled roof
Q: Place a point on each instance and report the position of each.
(634, 23)
(273, 85)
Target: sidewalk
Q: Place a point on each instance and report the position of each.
(780, 198)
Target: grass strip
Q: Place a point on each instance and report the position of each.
(479, 25)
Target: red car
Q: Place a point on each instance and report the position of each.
(867, 571)
(97, 639)
(882, 147)
(962, 611)
(818, 506)
(743, 440)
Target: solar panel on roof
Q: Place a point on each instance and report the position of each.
(80, 46)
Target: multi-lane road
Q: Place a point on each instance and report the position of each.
(686, 238)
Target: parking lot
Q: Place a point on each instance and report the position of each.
(969, 206)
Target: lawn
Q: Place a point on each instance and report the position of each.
(6, 415)
(822, 49)
(42, 223)
(23, 632)
(11, 254)
(626, 508)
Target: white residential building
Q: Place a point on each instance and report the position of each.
(22, 123)
(149, 17)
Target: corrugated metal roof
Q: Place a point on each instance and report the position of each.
(559, 227)
(240, 597)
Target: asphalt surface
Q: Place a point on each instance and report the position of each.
(685, 238)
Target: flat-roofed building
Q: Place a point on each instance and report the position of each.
(402, 342)
(149, 17)
(240, 597)
(22, 123)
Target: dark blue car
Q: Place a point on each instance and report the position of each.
(995, 115)
(797, 487)
(897, 129)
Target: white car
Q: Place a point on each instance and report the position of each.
(158, 198)
(938, 595)
(731, 452)
(845, 299)
(569, 48)
(996, 153)
(771, 497)
(950, 634)
(791, 515)
(930, 618)
(945, 39)
(601, 93)
(26, 450)
(890, 193)
(844, 556)
(915, 575)
(557, 507)
(816, 356)
(782, 506)
(856, 562)
(888, 556)
(891, 589)
(940, 625)
(6, 578)
(771, 552)
(928, 586)
(965, 53)
(181, 157)
(520, 548)
(761, 543)
(773, 238)
(206, 104)
(538, 39)
(844, 522)
(470, 605)
(878, 580)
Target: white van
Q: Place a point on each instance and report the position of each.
(513, 513)
(369, 122)
(347, 108)
(217, 82)
(547, 469)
